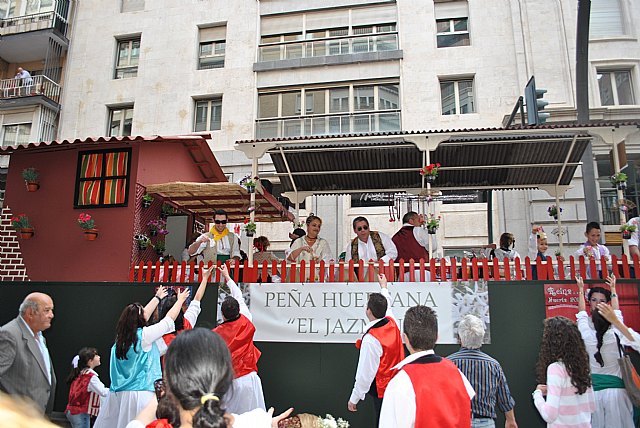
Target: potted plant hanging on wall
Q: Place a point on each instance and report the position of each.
(157, 227)
(430, 172)
(250, 184)
(433, 223)
(627, 230)
(31, 179)
(22, 225)
(142, 240)
(88, 224)
(553, 211)
(147, 199)
(619, 179)
(160, 246)
(250, 229)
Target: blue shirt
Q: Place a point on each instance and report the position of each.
(488, 380)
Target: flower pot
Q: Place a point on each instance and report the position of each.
(249, 234)
(153, 232)
(431, 178)
(626, 234)
(432, 230)
(251, 189)
(142, 246)
(26, 232)
(32, 186)
(90, 234)
(622, 185)
(555, 216)
(146, 204)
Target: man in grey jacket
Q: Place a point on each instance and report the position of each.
(26, 369)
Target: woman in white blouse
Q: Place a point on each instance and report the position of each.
(311, 246)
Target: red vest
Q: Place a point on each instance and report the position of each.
(388, 334)
(408, 246)
(80, 399)
(441, 398)
(238, 335)
(168, 338)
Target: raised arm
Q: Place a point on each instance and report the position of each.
(615, 303)
(236, 293)
(384, 290)
(582, 306)
(161, 293)
(206, 274)
(608, 313)
(175, 309)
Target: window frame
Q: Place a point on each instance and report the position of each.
(214, 44)
(110, 111)
(453, 32)
(103, 178)
(208, 100)
(611, 71)
(123, 72)
(19, 124)
(456, 92)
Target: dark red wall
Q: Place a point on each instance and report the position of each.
(166, 162)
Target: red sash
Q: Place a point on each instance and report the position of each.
(238, 335)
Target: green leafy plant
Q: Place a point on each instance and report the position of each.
(21, 221)
(160, 246)
(147, 198)
(86, 222)
(618, 177)
(142, 240)
(432, 222)
(30, 175)
(628, 228)
(250, 228)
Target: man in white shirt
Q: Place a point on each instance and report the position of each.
(219, 244)
(428, 390)
(380, 350)
(369, 244)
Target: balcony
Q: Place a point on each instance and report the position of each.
(347, 123)
(19, 92)
(328, 50)
(38, 21)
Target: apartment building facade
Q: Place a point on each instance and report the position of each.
(275, 69)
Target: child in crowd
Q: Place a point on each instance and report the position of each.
(85, 390)
(592, 250)
(538, 246)
(506, 249)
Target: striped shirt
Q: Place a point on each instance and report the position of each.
(564, 407)
(488, 380)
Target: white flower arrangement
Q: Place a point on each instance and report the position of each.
(330, 422)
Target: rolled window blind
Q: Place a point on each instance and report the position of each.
(605, 19)
(451, 9)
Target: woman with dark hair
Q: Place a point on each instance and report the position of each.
(185, 320)
(85, 389)
(613, 405)
(135, 360)
(506, 249)
(262, 254)
(198, 373)
(563, 373)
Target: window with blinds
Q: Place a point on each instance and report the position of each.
(606, 19)
(103, 178)
(212, 47)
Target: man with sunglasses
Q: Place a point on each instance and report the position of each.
(369, 244)
(219, 244)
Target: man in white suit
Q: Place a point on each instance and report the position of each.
(26, 369)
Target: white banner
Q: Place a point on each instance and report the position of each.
(335, 312)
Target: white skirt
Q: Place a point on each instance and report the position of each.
(613, 409)
(120, 408)
(245, 395)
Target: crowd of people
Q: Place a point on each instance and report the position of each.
(164, 372)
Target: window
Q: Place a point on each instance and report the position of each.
(120, 120)
(606, 19)
(132, 5)
(16, 134)
(127, 60)
(102, 179)
(452, 24)
(368, 107)
(615, 88)
(208, 115)
(212, 47)
(38, 6)
(457, 97)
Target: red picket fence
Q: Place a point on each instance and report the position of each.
(399, 271)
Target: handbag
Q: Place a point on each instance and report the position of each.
(629, 376)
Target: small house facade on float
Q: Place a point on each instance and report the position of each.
(104, 178)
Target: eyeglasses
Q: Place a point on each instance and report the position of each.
(220, 221)
(361, 228)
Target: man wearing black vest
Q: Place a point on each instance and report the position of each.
(369, 244)
(412, 242)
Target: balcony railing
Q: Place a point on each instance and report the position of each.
(37, 21)
(347, 123)
(399, 271)
(29, 87)
(329, 46)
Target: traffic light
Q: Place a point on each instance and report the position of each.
(535, 104)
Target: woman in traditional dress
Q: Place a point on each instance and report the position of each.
(311, 246)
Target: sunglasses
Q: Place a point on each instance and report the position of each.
(361, 228)
(220, 221)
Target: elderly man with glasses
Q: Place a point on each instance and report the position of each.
(219, 244)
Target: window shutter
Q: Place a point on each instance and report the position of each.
(605, 19)
(280, 24)
(381, 14)
(452, 9)
(323, 20)
(212, 34)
